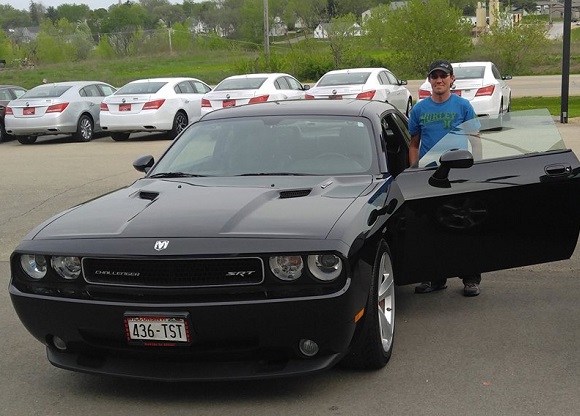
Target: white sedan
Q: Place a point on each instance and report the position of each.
(482, 84)
(366, 84)
(152, 105)
(252, 88)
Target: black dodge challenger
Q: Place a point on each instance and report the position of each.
(268, 239)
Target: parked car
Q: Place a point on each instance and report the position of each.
(482, 84)
(268, 239)
(365, 84)
(251, 89)
(57, 108)
(7, 94)
(153, 105)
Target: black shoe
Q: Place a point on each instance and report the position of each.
(471, 289)
(428, 287)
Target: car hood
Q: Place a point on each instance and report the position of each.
(266, 207)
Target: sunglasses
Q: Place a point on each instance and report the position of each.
(442, 75)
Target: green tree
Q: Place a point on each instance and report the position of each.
(374, 26)
(514, 48)
(341, 32)
(37, 12)
(11, 18)
(122, 24)
(310, 12)
(424, 31)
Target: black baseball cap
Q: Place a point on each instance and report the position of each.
(441, 65)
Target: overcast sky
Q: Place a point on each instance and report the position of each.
(93, 4)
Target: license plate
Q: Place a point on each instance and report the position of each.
(335, 97)
(28, 111)
(456, 92)
(124, 107)
(229, 103)
(157, 330)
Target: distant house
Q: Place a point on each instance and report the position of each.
(24, 34)
(321, 31)
(278, 28)
(392, 6)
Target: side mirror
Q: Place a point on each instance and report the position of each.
(306, 87)
(402, 82)
(452, 159)
(144, 163)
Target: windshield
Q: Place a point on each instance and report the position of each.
(240, 84)
(46, 91)
(275, 145)
(521, 133)
(140, 88)
(345, 78)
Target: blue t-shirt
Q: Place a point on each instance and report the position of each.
(434, 120)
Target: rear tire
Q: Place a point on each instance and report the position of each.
(26, 139)
(180, 122)
(3, 135)
(120, 137)
(374, 345)
(85, 129)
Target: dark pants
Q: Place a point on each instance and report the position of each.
(472, 278)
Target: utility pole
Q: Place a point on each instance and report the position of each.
(266, 32)
(566, 61)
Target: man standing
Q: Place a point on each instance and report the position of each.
(430, 120)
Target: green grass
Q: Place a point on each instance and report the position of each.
(553, 104)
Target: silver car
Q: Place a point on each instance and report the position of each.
(57, 108)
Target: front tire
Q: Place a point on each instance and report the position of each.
(374, 345)
(85, 129)
(180, 122)
(120, 137)
(26, 139)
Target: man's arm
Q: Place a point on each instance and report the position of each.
(414, 149)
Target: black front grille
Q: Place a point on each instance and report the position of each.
(172, 273)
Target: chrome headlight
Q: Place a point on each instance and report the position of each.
(287, 268)
(325, 267)
(33, 265)
(67, 267)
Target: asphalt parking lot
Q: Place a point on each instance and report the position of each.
(511, 351)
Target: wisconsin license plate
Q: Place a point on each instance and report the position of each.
(335, 97)
(157, 330)
(28, 111)
(229, 103)
(124, 107)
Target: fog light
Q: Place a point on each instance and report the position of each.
(308, 347)
(59, 343)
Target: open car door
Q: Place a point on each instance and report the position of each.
(518, 204)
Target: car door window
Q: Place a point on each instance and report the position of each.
(496, 73)
(395, 143)
(200, 87)
(383, 80)
(392, 79)
(90, 91)
(281, 84)
(106, 90)
(294, 84)
(5, 95)
(184, 88)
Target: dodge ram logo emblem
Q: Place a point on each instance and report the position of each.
(161, 245)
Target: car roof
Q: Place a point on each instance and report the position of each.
(474, 63)
(343, 71)
(73, 83)
(163, 79)
(300, 107)
(11, 86)
(261, 75)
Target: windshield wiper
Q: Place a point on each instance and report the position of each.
(176, 175)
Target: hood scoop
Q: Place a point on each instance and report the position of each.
(150, 196)
(295, 193)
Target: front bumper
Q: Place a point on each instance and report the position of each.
(230, 340)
